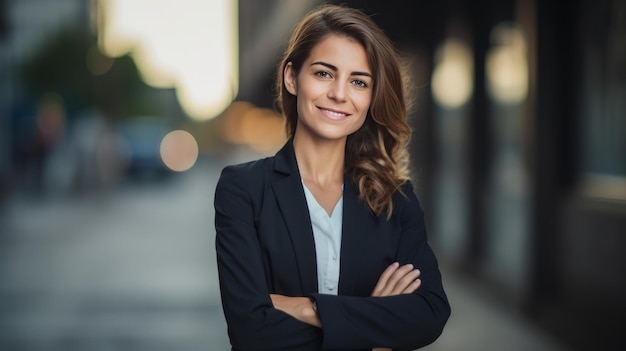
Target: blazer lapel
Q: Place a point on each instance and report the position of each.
(293, 207)
(358, 223)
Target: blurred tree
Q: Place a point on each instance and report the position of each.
(59, 66)
(62, 65)
(121, 94)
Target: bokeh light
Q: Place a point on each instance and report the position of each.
(507, 65)
(179, 150)
(187, 44)
(452, 77)
(260, 128)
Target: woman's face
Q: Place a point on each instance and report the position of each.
(333, 88)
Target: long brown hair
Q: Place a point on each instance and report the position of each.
(377, 157)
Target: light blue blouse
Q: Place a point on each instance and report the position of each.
(327, 235)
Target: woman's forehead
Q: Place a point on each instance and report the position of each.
(340, 51)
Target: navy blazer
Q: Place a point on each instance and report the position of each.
(265, 245)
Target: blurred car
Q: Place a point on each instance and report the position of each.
(142, 137)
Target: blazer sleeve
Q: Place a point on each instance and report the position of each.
(403, 322)
(253, 323)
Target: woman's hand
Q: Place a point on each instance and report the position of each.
(396, 280)
(300, 308)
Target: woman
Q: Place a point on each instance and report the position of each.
(323, 246)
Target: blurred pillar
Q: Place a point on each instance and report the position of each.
(485, 16)
(578, 284)
(552, 166)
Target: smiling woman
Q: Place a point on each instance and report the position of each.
(323, 246)
(187, 44)
(333, 88)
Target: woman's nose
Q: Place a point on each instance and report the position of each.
(337, 91)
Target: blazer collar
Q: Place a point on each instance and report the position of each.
(285, 160)
(358, 221)
(293, 207)
(358, 224)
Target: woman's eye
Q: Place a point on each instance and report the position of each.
(359, 83)
(323, 74)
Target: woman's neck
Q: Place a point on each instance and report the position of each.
(320, 161)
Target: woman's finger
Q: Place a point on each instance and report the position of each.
(405, 281)
(412, 287)
(390, 287)
(384, 278)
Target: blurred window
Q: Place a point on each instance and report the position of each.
(602, 132)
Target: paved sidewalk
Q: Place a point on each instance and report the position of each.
(132, 269)
(479, 323)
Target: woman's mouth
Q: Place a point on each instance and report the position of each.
(333, 114)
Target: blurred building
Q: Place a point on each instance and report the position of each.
(519, 144)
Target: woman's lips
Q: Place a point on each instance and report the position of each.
(333, 114)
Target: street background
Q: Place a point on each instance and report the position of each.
(117, 116)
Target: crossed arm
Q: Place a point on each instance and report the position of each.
(395, 280)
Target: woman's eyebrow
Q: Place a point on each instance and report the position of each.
(334, 68)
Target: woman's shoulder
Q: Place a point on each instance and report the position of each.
(407, 186)
(406, 199)
(241, 182)
(406, 192)
(250, 169)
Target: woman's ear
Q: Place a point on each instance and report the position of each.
(289, 76)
